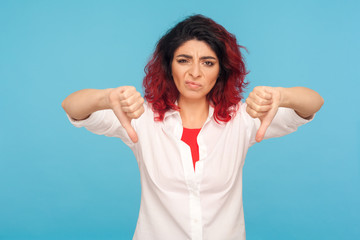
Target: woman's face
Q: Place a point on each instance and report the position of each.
(195, 69)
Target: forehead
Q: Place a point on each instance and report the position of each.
(195, 47)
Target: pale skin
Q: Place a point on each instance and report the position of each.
(195, 69)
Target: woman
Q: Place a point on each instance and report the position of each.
(191, 136)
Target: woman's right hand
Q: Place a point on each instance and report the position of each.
(127, 104)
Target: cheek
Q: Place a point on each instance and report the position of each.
(212, 85)
(213, 78)
(176, 79)
(174, 75)
(176, 70)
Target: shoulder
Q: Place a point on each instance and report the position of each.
(149, 112)
(147, 117)
(239, 116)
(240, 111)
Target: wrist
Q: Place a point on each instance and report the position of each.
(104, 99)
(284, 97)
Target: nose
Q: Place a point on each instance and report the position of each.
(195, 70)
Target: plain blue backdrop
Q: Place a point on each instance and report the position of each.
(59, 182)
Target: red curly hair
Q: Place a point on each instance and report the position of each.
(160, 89)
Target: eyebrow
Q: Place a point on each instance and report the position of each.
(202, 58)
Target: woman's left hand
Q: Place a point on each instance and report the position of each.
(263, 103)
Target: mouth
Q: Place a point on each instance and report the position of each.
(192, 85)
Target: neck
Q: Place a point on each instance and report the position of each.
(193, 113)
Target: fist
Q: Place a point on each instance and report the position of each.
(127, 104)
(263, 103)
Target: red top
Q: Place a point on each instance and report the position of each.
(189, 137)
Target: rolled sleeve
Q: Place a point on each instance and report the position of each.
(285, 122)
(93, 120)
(103, 122)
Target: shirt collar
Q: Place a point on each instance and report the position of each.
(172, 112)
(172, 123)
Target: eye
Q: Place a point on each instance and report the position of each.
(209, 63)
(182, 60)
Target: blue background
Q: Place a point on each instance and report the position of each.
(59, 182)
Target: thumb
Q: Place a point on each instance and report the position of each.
(265, 123)
(126, 123)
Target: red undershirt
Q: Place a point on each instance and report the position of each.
(189, 137)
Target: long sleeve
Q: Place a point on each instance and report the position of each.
(104, 122)
(285, 122)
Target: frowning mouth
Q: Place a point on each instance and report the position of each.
(192, 85)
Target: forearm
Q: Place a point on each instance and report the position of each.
(303, 100)
(79, 105)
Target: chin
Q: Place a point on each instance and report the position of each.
(193, 96)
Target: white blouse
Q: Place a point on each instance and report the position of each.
(176, 201)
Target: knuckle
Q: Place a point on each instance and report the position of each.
(251, 112)
(131, 89)
(127, 102)
(124, 96)
(130, 115)
(134, 108)
(131, 109)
